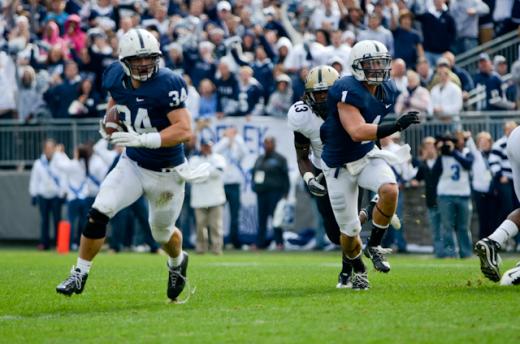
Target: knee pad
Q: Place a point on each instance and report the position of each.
(162, 235)
(96, 227)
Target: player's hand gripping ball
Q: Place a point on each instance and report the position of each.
(111, 123)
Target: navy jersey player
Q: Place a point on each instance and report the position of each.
(350, 159)
(150, 101)
(305, 118)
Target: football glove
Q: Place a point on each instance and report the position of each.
(407, 119)
(102, 131)
(133, 139)
(314, 185)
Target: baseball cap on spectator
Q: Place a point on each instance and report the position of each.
(284, 42)
(442, 61)
(223, 6)
(96, 32)
(283, 78)
(498, 59)
(206, 141)
(174, 46)
(269, 11)
(484, 56)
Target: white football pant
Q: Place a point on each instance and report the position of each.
(513, 152)
(127, 182)
(343, 191)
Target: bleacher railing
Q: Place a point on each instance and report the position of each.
(20, 144)
(506, 45)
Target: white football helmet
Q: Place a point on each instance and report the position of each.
(135, 47)
(370, 62)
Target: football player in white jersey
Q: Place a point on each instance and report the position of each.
(305, 118)
(487, 248)
(151, 103)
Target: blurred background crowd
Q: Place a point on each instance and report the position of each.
(250, 58)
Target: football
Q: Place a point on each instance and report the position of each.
(112, 122)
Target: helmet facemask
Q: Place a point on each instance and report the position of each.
(376, 69)
(142, 67)
(317, 100)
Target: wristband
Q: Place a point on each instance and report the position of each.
(307, 176)
(384, 130)
(152, 140)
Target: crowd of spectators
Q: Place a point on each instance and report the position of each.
(250, 58)
(247, 57)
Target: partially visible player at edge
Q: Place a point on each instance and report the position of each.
(487, 248)
(151, 100)
(356, 105)
(305, 118)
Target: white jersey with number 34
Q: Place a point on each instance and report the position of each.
(301, 119)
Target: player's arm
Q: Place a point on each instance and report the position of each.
(179, 130)
(302, 145)
(359, 130)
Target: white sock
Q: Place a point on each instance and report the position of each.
(507, 229)
(174, 262)
(83, 265)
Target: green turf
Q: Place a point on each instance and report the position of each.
(255, 298)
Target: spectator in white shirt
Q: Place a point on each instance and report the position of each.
(8, 82)
(76, 172)
(45, 188)
(325, 16)
(414, 97)
(233, 148)
(338, 48)
(481, 184)
(208, 199)
(446, 97)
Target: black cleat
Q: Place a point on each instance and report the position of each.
(344, 281)
(376, 254)
(75, 283)
(360, 281)
(177, 278)
(487, 250)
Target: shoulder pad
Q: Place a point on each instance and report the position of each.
(112, 75)
(298, 115)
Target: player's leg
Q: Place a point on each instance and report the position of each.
(379, 177)
(165, 194)
(487, 248)
(120, 188)
(343, 195)
(333, 233)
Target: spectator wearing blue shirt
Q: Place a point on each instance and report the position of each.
(407, 41)
(203, 65)
(438, 29)
(466, 82)
(251, 97)
(227, 91)
(60, 97)
(487, 77)
(208, 99)
(263, 71)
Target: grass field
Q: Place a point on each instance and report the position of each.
(254, 298)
